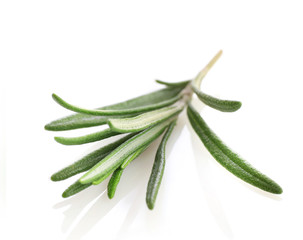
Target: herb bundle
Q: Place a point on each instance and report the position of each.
(144, 119)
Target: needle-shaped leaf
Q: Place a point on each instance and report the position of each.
(158, 169)
(78, 120)
(75, 188)
(227, 158)
(113, 182)
(93, 137)
(151, 101)
(221, 105)
(174, 84)
(143, 120)
(115, 178)
(112, 161)
(88, 161)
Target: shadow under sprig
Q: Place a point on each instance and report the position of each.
(78, 203)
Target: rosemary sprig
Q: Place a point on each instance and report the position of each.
(145, 118)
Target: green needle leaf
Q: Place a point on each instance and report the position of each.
(228, 159)
(87, 138)
(75, 188)
(88, 161)
(117, 157)
(221, 105)
(78, 120)
(144, 120)
(174, 84)
(113, 182)
(151, 101)
(158, 169)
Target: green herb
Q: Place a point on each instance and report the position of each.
(76, 121)
(93, 137)
(145, 118)
(113, 182)
(226, 157)
(75, 188)
(158, 170)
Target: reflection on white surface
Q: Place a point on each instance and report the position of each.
(95, 205)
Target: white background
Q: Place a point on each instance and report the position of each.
(94, 53)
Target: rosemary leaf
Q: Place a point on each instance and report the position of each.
(221, 105)
(79, 120)
(144, 120)
(227, 158)
(113, 182)
(75, 188)
(93, 137)
(158, 169)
